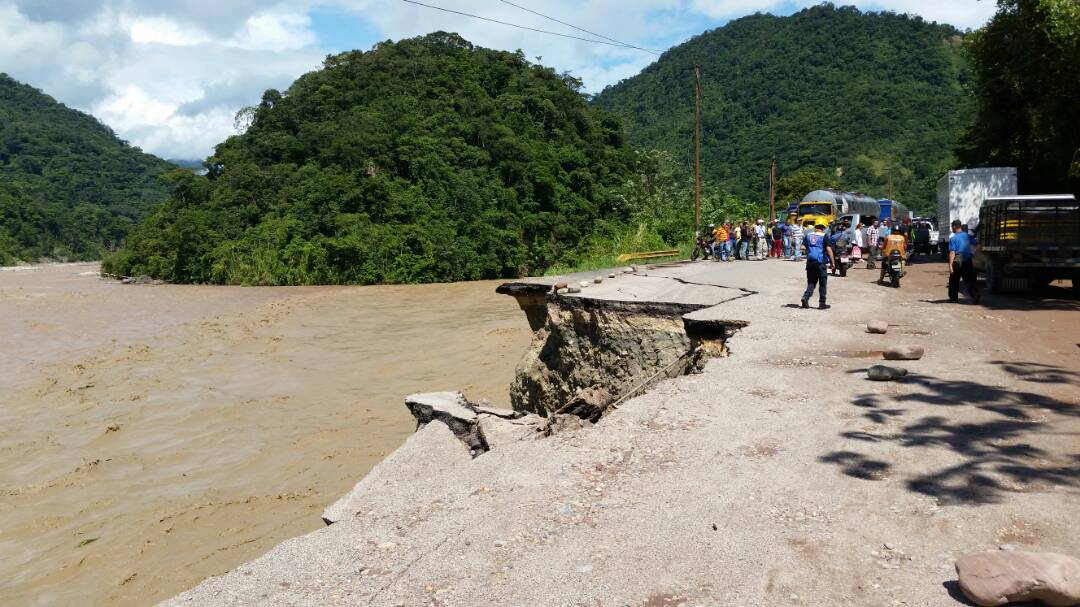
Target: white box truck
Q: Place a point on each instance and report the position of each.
(960, 193)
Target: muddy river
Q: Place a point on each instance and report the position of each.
(151, 436)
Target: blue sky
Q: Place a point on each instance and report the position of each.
(170, 75)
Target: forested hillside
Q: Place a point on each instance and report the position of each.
(423, 160)
(878, 95)
(69, 188)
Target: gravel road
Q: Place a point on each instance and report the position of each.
(779, 476)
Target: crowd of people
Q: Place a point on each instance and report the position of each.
(876, 240)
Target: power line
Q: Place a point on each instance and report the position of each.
(571, 25)
(524, 27)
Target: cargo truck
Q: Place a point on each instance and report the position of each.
(1029, 241)
(960, 193)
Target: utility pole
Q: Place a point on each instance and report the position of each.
(697, 150)
(772, 191)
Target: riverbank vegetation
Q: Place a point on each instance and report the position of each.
(69, 188)
(424, 160)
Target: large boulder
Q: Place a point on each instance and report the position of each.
(903, 353)
(877, 326)
(883, 373)
(998, 578)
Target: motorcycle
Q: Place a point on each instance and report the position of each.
(703, 248)
(894, 267)
(849, 256)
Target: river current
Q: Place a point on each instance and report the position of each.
(154, 435)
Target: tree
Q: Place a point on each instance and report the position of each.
(1024, 64)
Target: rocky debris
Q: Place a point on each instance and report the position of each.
(611, 275)
(563, 291)
(998, 578)
(472, 423)
(560, 285)
(573, 289)
(498, 431)
(588, 403)
(884, 373)
(584, 284)
(598, 280)
(903, 353)
(142, 279)
(877, 326)
(587, 343)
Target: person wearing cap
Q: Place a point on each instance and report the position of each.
(819, 256)
(960, 264)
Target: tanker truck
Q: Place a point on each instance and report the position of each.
(824, 206)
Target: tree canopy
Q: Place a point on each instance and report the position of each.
(69, 188)
(878, 95)
(428, 159)
(1025, 65)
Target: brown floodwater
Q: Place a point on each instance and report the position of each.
(151, 436)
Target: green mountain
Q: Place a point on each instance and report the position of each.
(878, 95)
(423, 160)
(69, 188)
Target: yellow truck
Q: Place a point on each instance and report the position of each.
(825, 206)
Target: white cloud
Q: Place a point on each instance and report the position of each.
(168, 75)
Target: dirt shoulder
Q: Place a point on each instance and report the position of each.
(779, 476)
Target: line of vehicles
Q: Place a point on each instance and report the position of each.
(1024, 241)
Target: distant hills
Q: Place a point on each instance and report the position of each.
(69, 188)
(428, 159)
(878, 95)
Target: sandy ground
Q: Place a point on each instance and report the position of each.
(154, 435)
(779, 476)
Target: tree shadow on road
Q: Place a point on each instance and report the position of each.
(997, 456)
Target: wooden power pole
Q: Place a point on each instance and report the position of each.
(697, 150)
(772, 191)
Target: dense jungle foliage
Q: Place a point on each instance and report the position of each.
(879, 96)
(423, 160)
(1026, 70)
(69, 188)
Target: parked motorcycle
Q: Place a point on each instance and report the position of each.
(894, 267)
(703, 248)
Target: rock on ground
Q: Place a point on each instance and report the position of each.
(877, 326)
(999, 578)
(884, 373)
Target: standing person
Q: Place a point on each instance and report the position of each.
(759, 242)
(872, 235)
(819, 256)
(733, 238)
(960, 264)
(787, 237)
(796, 241)
(858, 240)
(777, 248)
(720, 237)
(744, 241)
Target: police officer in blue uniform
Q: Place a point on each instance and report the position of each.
(819, 257)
